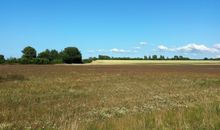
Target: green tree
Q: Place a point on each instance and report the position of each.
(206, 58)
(71, 55)
(162, 57)
(45, 54)
(12, 60)
(2, 59)
(104, 57)
(54, 54)
(176, 58)
(29, 52)
(154, 57)
(145, 58)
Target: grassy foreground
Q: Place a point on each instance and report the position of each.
(119, 97)
(162, 62)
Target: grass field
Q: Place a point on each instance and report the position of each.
(110, 97)
(162, 62)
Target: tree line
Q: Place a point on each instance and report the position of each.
(153, 57)
(29, 56)
(73, 55)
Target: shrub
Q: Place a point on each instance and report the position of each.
(57, 61)
(40, 61)
(24, 61)
(12, 60)
(87, 61)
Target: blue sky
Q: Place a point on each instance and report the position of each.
(113, 27)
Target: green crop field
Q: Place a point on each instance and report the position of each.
(110, 97)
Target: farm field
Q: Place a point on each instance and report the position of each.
(110, 97)
(162, 62)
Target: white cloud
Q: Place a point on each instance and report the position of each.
(196, 48)
(116, 50)
(192, 48)
(163, 48)
(143, 43)
(217, 46)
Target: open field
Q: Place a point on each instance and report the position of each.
(110, 97)
(162, 62)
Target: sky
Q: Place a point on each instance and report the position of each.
(119, 28)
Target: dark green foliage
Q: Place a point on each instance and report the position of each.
(40, 61)
(2, 59)
(87, 61)
(56, 61)
(154, 57)
(34, 61)
(29, 52)
(49, 54)
(175, 58)
(145, 58)
(180, 58)
(126, 58)
(104, 57)
(12, 60)
(54, 54)
(206, 58)
(162, 57)
(24, 61)
(45, 54)
(71, 55)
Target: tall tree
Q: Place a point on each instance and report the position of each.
(29, 52)
(71, 55)
(154, 57)
(2, 59)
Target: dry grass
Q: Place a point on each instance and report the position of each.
(110, 97)
(155, 62)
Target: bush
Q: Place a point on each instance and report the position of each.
(39, 61)
(12, 60)
(87, 61)
(24, 61)
(34, 61)
(57, 61)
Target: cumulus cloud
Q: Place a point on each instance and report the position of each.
(196, 48)
(116, 50)
(163, 48)
(191, 48)
(217, 46)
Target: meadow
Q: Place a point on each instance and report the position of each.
(110, 97)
